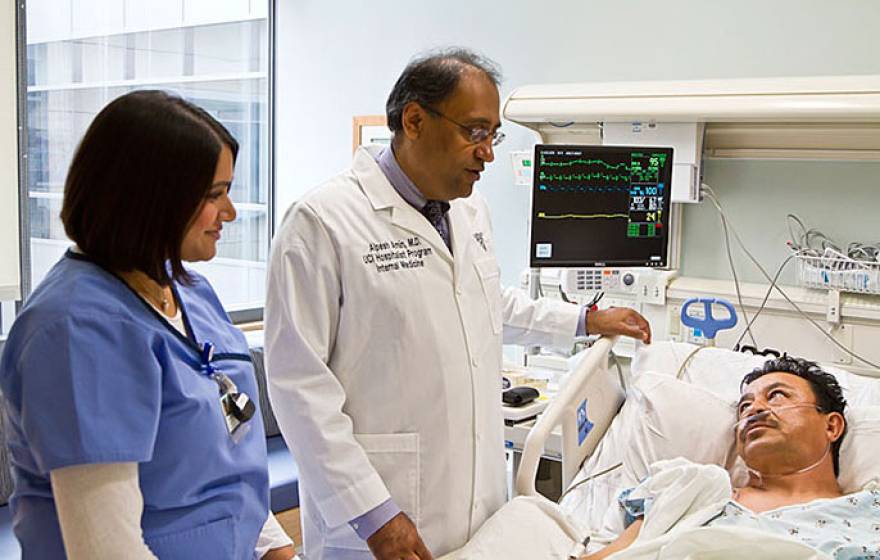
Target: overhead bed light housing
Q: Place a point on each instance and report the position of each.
(823, 117)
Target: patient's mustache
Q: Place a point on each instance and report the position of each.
(764, 417)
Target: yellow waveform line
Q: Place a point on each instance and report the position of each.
(580, 216)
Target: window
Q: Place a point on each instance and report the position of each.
(81, 54)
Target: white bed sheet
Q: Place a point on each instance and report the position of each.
(527, 527)
(685, 496)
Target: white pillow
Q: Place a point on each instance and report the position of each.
(676, 419)
(860, 451)
(650, 427)
(721, 371)
(863, 391)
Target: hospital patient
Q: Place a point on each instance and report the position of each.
(789, 431)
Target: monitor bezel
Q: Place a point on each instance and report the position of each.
(663, 264)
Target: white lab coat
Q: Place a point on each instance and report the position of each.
(383, 357)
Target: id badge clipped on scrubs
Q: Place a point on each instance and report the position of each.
(237, 408)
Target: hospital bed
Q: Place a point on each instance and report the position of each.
(677, 400)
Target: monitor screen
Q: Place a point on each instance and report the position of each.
(600, 206)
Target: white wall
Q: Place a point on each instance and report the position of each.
(9, 257)
(339, 59)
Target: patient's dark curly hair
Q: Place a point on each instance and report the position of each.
(826, 389)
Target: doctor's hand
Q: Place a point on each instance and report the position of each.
(619, 320)
(398, 539)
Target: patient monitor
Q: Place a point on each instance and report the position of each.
(601, 206)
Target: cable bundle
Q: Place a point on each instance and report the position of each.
(799, 245)
(822, 264)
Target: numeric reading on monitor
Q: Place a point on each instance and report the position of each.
(600, 206)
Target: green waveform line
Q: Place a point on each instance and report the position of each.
(584, 176)
(545, 216)
(633, 171)
(655, 161)
(582, 162)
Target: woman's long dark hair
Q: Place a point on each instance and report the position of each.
(137, 179)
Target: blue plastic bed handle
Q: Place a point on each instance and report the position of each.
(708, 324)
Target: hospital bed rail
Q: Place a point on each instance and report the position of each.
(590, 387)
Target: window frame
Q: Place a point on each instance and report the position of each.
(24, 222)
(238, 316)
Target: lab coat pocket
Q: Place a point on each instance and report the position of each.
(490, 279)
(216, 539)
(396, 458)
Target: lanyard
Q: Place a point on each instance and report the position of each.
(237, 407)
(207, 354)
(227, 386)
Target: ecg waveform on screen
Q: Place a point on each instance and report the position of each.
(595, 176)
(585, 188)
(644, 167)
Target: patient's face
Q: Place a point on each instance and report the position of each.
(781, 430)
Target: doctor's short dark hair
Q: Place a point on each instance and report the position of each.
(137, 179)
(826, 389)
(431, 77)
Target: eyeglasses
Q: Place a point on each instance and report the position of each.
(475, 134)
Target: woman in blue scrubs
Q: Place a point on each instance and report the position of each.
(130, 395)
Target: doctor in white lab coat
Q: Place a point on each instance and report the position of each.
(384, 324)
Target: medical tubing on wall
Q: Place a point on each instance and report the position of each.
(766, 297)
(710, 195)
(805, 242)
(739, 299)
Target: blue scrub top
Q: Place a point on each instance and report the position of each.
(92, 374)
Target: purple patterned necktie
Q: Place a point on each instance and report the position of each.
(435, 211)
